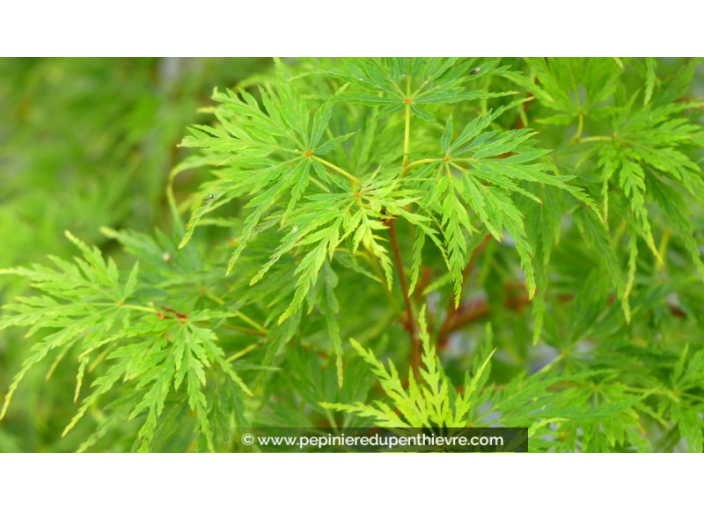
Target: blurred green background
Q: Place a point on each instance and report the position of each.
(87, 143)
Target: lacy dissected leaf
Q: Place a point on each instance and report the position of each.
(326, 223)
(480, 172)
(574, 87)
(395, 84)
(88, 305)
(269, 149)
(429, 402)
(646, 161)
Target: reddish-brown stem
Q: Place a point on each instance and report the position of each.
(411, 325)
(472, 311)
(465, 314)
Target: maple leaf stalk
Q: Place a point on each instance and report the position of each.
(412, 324)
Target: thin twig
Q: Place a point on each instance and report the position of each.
(412, 327)
(337, 169)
